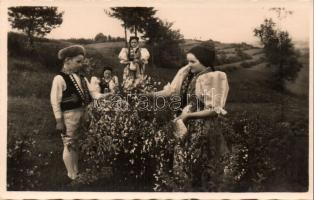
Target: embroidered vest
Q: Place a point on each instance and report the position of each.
(187, 91)
(71, 98)
(134, 54)
(104, 85)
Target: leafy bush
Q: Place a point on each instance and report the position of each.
(124, 139)
(135, 144)
(22, 151)
(252, 165)
(280, 53)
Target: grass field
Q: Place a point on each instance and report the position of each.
(30, 117)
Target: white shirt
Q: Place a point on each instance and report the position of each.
(123, 55)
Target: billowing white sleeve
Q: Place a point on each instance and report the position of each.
(213, 88)
(58, 86)
(145, 55)
(123, 56)
(94, 88)
(174, 87)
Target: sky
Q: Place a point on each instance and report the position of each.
(225, 21)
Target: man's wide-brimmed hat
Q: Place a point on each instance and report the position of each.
(71, 51)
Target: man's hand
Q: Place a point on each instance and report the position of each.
(60, 127)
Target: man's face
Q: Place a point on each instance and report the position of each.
(75, 63)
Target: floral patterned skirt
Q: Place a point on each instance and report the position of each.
(131, 78)
(198, 159)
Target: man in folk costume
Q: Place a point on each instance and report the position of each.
(135, 58)
(69, 95)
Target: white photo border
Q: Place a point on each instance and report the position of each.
(4, 194)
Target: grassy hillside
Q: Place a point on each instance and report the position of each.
(31, 124)
(301, 85)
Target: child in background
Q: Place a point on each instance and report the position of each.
(105, 86)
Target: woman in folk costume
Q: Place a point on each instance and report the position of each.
(203, 93)
(105, 86)
(135, 58)
(69, 95)
(109, 83)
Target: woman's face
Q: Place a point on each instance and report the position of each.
(133, 43)
(194, 63)
(75, 63)
(107, 74)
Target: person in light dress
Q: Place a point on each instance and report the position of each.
(203, 92)
(135, 59)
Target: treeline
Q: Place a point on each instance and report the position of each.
(99, 38)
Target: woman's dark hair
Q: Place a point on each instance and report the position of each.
(205, 53)
(134, 38)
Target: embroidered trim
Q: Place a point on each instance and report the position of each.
(78, 88)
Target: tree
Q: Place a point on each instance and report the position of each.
(120, 13)
(134, 18)
(35, 21)
(100, 37)
(109, 38)
(279, 52)
(138, 17)
(164, 43)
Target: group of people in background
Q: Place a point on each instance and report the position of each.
(134, 59)
(72, 92)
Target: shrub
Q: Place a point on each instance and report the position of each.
(252, 165)
(22, 151)
(124, 139)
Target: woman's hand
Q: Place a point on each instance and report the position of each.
(125, 62)
(150, 94)
(106, 96)
(144, 61)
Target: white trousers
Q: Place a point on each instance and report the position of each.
(72, 120)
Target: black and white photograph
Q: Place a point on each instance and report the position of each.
(188, 98)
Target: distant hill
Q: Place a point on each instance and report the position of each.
(302, 44)
(231, 56)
